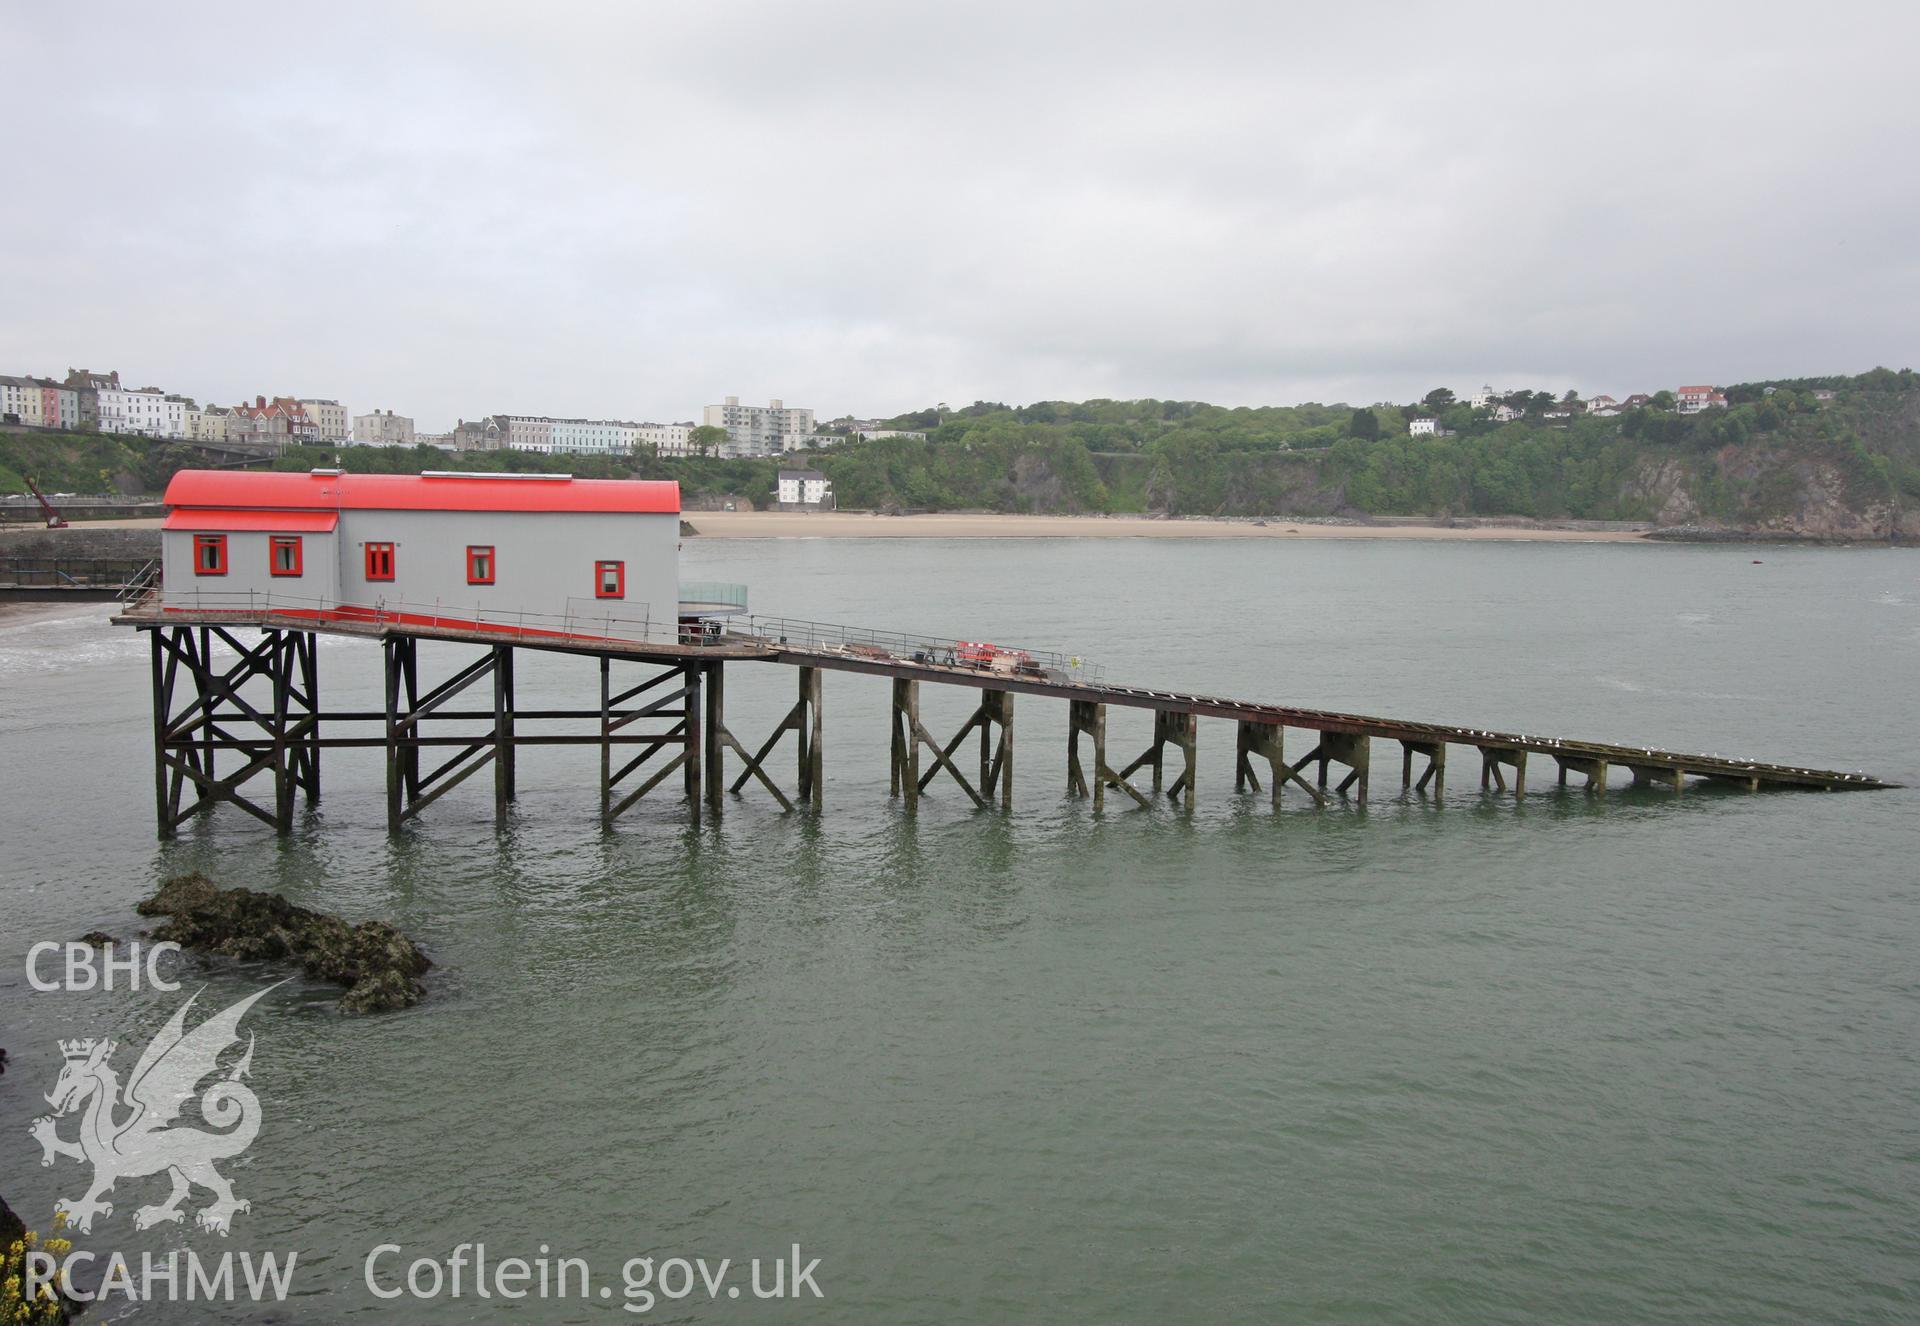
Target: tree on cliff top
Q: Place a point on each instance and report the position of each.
(706, 439)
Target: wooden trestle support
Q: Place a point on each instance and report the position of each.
(804, 720)
(677, 707)
(275, 735)
(223, 726)
(992, 718)
(411, 786)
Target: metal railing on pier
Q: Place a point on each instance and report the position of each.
(590, 620)
(585, 620)
(940, 651)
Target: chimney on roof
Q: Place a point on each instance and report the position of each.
(259, 402)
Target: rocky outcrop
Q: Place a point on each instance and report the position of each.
(1766, 494)
(1664, 489)
(379, 965)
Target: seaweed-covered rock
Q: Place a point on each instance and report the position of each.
(98, 938)
(376, 962)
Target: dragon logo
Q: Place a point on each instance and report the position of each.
(146, 1140)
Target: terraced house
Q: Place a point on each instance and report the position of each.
(277, 422)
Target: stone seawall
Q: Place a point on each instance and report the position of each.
(135, 545)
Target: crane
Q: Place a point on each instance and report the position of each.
(54, 519)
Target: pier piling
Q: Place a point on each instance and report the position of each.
(678, 708)
(278, 741)
(1594, 771)
(1436, 770)
(221, 727)
(995, 711)
(804, 721)
(1491, 760)
(1264, 741)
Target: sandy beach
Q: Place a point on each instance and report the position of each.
(852, 524)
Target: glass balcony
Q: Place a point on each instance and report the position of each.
(711, 598)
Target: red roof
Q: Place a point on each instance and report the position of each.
(277, 522)
(420, 492)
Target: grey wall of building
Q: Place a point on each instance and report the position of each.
(247, 573)
(543, 564)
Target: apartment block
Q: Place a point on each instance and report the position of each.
(761, 430)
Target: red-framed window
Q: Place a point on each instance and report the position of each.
(283, 555)
(480, 564)
(609, 580)
(379, 561)
(209, 554)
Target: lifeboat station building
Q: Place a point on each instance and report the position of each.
(490, 550)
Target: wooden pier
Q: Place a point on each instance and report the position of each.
(250, 731)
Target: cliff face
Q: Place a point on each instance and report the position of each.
(1773, 491)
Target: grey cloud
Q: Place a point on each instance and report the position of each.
(631, 209)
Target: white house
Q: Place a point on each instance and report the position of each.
(1481, 399)
(481, 551)
(665, 439)
(1603, 404)
(804, 488)
(1423, 427)
(1692, 400)
(147, 412)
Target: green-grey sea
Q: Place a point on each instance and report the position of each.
(1633, 1058)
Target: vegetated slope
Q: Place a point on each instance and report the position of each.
(1781, 461)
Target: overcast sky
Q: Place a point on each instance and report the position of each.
(633, 209)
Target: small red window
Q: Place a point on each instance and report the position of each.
(609, 580)
(479, 564)
(283, 555)
(379, 561)
(209, 554)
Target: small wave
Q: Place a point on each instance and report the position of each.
(1636, 688)
(53, 644)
